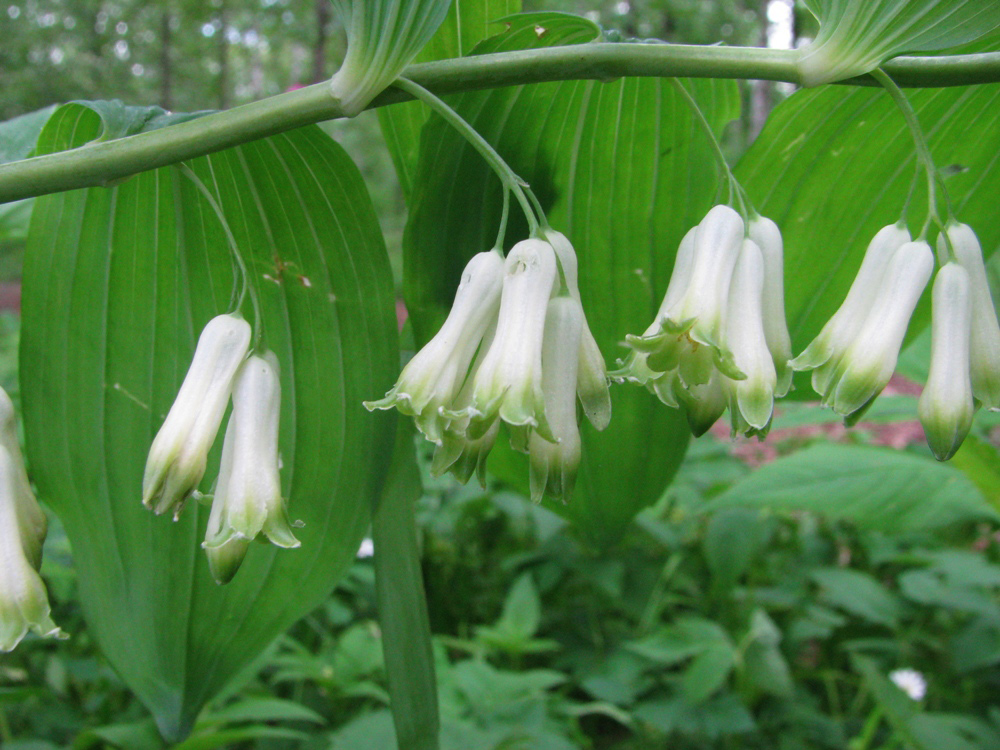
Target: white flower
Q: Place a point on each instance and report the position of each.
(509, 381)
(985, 338)
(592, 373)
(176, 462)
(31, 520)
(751, 399)
(248, 499)
(766, 234)
(911, 682)
(823, 354)
(870, 358)
(946, 406)
(24, 603)
(430, 382)
(554, 464)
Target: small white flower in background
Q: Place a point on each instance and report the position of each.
(177, 457)
(367, 548)
(248, 501)
(24, 603)
(870, 358)
(984, 345)
(946, 405)
(911, 682)
(823, 354)
(430, 382)
(554, 464)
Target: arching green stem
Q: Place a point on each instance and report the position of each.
(507, 175)
(234, 249)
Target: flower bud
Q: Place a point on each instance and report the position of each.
(946, 405)
(177, 457)
(431, 380)
(554, 464)
(985, 337)
(248, 499)
(509, 382)
(24, 603)
(870, 359)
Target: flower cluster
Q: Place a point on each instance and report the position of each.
(515, 348)
(24, 603)
(855, 353)
(719, 338)
(247, 501)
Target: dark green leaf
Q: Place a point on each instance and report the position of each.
(875, 488)
(118, 283)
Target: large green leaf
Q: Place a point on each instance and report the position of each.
(118, 283)
(468, 23)
(835, 165)
(620, 168)
(875, 488)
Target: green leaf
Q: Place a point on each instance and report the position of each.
(733, 538)
(856, 36)
(620, 170)
(875, 488)
(857, 593)
(118, 282)
(833, 166)
(402, 605)
(467, 24)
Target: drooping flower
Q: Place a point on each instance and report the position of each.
(248, 501)
(592, 373)
(177, 457)
(508, 384)
(31, 520)
(431, 381)
(554, 464)
(24, 603)
(869, 359)
(984, 344)
(825, 351)
(766, 234)
(751, 399)
(946, 405)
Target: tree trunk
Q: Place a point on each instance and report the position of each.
(166, 69)
(319, 50)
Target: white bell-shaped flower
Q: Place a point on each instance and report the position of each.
(751, 399)
(766, 234)
(592, 373)
(430, 382)
(31, 519)
(24, 603)
(984, 349)
(554, 464)
(508, 384)
(177, 457)
(870, 358)
(946, 405)
(248, 501)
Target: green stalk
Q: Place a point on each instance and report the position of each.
(105, 162)
(507, 175)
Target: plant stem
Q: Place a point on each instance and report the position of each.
(920, 141)
(104, 162)
(507, 175)
(736, 192)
